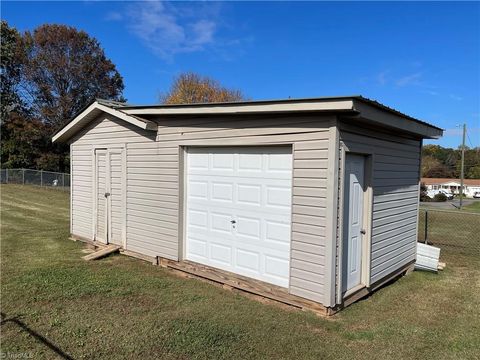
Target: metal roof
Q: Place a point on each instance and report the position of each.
(112, 103)
(338, 104)
(361, 98)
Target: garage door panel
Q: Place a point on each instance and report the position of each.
(250, 162)
(221, 223)
(272, 175)
(277, 232)
(197, 248)
(279, 252)
(197, 161)
(280, 164)
(198, 218)
(277, 267)
(222, 162)
(263, 229)
(242, 194)
(279, 197)
(221, 253)
(221, 191)
(260, 238)
(249, 227)
(239, 210)
(198, 189)
(249, 194)
(248, 260)
(264, 246)
(209, 235)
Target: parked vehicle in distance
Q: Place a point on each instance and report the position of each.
(431, 193)
(476, 195)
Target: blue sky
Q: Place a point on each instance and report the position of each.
(421, 58)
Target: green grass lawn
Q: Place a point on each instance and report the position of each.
(474, 207)
(120, 307)
(455, 231)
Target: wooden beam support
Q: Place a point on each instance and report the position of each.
(233, 281)
(107, 250)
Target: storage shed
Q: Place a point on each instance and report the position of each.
(313, 198)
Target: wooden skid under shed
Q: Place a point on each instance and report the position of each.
(104, 251)
(233, 281)
(258, 290)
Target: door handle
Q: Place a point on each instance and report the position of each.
(107, 194)
(233, 221)
(363, 232)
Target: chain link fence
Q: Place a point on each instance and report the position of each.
(54, 180)
(454, 231)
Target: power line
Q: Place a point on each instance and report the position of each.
(470, 141)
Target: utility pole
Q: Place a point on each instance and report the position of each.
(462, 171)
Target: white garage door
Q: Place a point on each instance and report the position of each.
(239, 210)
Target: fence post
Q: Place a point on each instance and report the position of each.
(426, 226)
(41, 177)
(23, 176)
(63, 180)
(6, 176)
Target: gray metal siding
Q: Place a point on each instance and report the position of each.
(395, 196)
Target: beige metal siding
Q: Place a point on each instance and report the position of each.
(396, 163)
(152, 200)
(145, 234)
(309, 139)
(116, 197)
(81, 159)
(154, 197)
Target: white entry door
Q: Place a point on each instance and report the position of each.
(353, 221)
(238, 214)
(110, 205)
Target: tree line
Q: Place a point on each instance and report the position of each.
(50, 74)
(440, 162)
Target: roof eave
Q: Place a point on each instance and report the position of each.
(253, 108)
(91, 112)
(362, 107)
(387, 117)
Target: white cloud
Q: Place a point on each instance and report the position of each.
(382, 77)
(167, 31)
(387, 77)
(204, 31)
(431, 92)
(411, 79)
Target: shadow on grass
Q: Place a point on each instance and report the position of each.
(36, 335)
